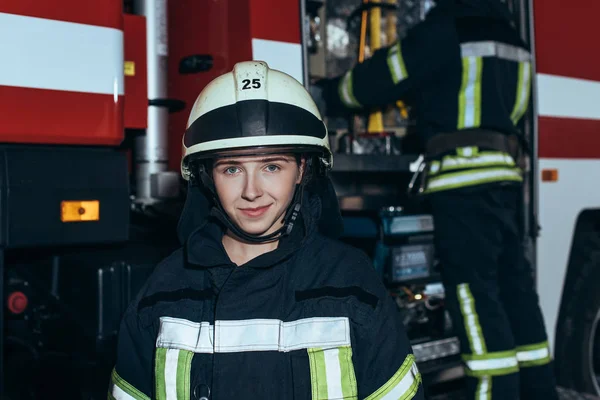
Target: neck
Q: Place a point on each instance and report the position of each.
(240, 251)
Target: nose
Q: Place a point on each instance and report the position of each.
(252, 188)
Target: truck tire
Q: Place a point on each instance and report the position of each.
(578, 350)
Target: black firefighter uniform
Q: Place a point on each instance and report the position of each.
(468, 81)
(309, 320)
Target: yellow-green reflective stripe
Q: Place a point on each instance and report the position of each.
(396, 63)
(484, 388)
(123, 390)
(490, 48)
(403, 385)
(495, 363)
(348, 377)
(184, 366)
(523, 92)
(533, 355)
(434, 167)
(346, 91)
(471, 319)
(172, 373)
(469, 151)
(483, 159)
(317, 371)
(159, 374)
(469, 97)
(332, 373)
(475, 177)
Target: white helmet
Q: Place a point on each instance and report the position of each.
(253, 106)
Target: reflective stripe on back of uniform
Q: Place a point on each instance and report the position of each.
(483, 159)
(346, 91)
(172, 374)
(253, 334)
(490, 48)
(523, 92)
(469, 97)
(332, 373)
(475, 177)
(533, 355)
(120, 389)
(396, 63)
(403, 385)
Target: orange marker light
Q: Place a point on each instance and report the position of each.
(549, 175)
(77, 211)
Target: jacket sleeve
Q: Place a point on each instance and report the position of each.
(384, 363)
(396, 72)
(132, 377)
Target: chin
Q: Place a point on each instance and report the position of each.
(258, 228)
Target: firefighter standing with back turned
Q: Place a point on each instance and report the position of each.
(467, 75)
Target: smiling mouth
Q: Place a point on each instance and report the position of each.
(255, 212)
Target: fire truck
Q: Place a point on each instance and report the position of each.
(94, 100)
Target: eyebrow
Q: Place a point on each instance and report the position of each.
(262, 160)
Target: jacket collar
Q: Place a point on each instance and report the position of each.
(204, 247)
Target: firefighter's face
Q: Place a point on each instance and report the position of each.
(255, 191)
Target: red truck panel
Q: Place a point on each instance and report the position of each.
(136, 75)
(217, 28)
(225, 30)
(568, 67)
(65, 82)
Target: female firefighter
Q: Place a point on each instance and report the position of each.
(261, 301)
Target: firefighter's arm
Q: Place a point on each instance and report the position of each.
(384, 364)
(395, 72)
(132, 377)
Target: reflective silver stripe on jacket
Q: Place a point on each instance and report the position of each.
(253, 335)
(495, 49)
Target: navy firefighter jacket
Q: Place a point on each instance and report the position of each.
(309, 320)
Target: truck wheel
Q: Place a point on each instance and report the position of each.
(579, 355)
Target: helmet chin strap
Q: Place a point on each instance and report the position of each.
(289, 219)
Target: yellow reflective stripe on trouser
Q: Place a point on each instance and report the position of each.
(457, 180)
(523, 92)
(491, 364)
(332, 373)
(484, 388)
(346, 92)
(469, 97)
(172, 374)
(396, 63)
(533, 355)
(471, 319)
(403, 385)
(120, 389)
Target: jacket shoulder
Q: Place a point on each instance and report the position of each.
(168, 275)
(335, 263)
